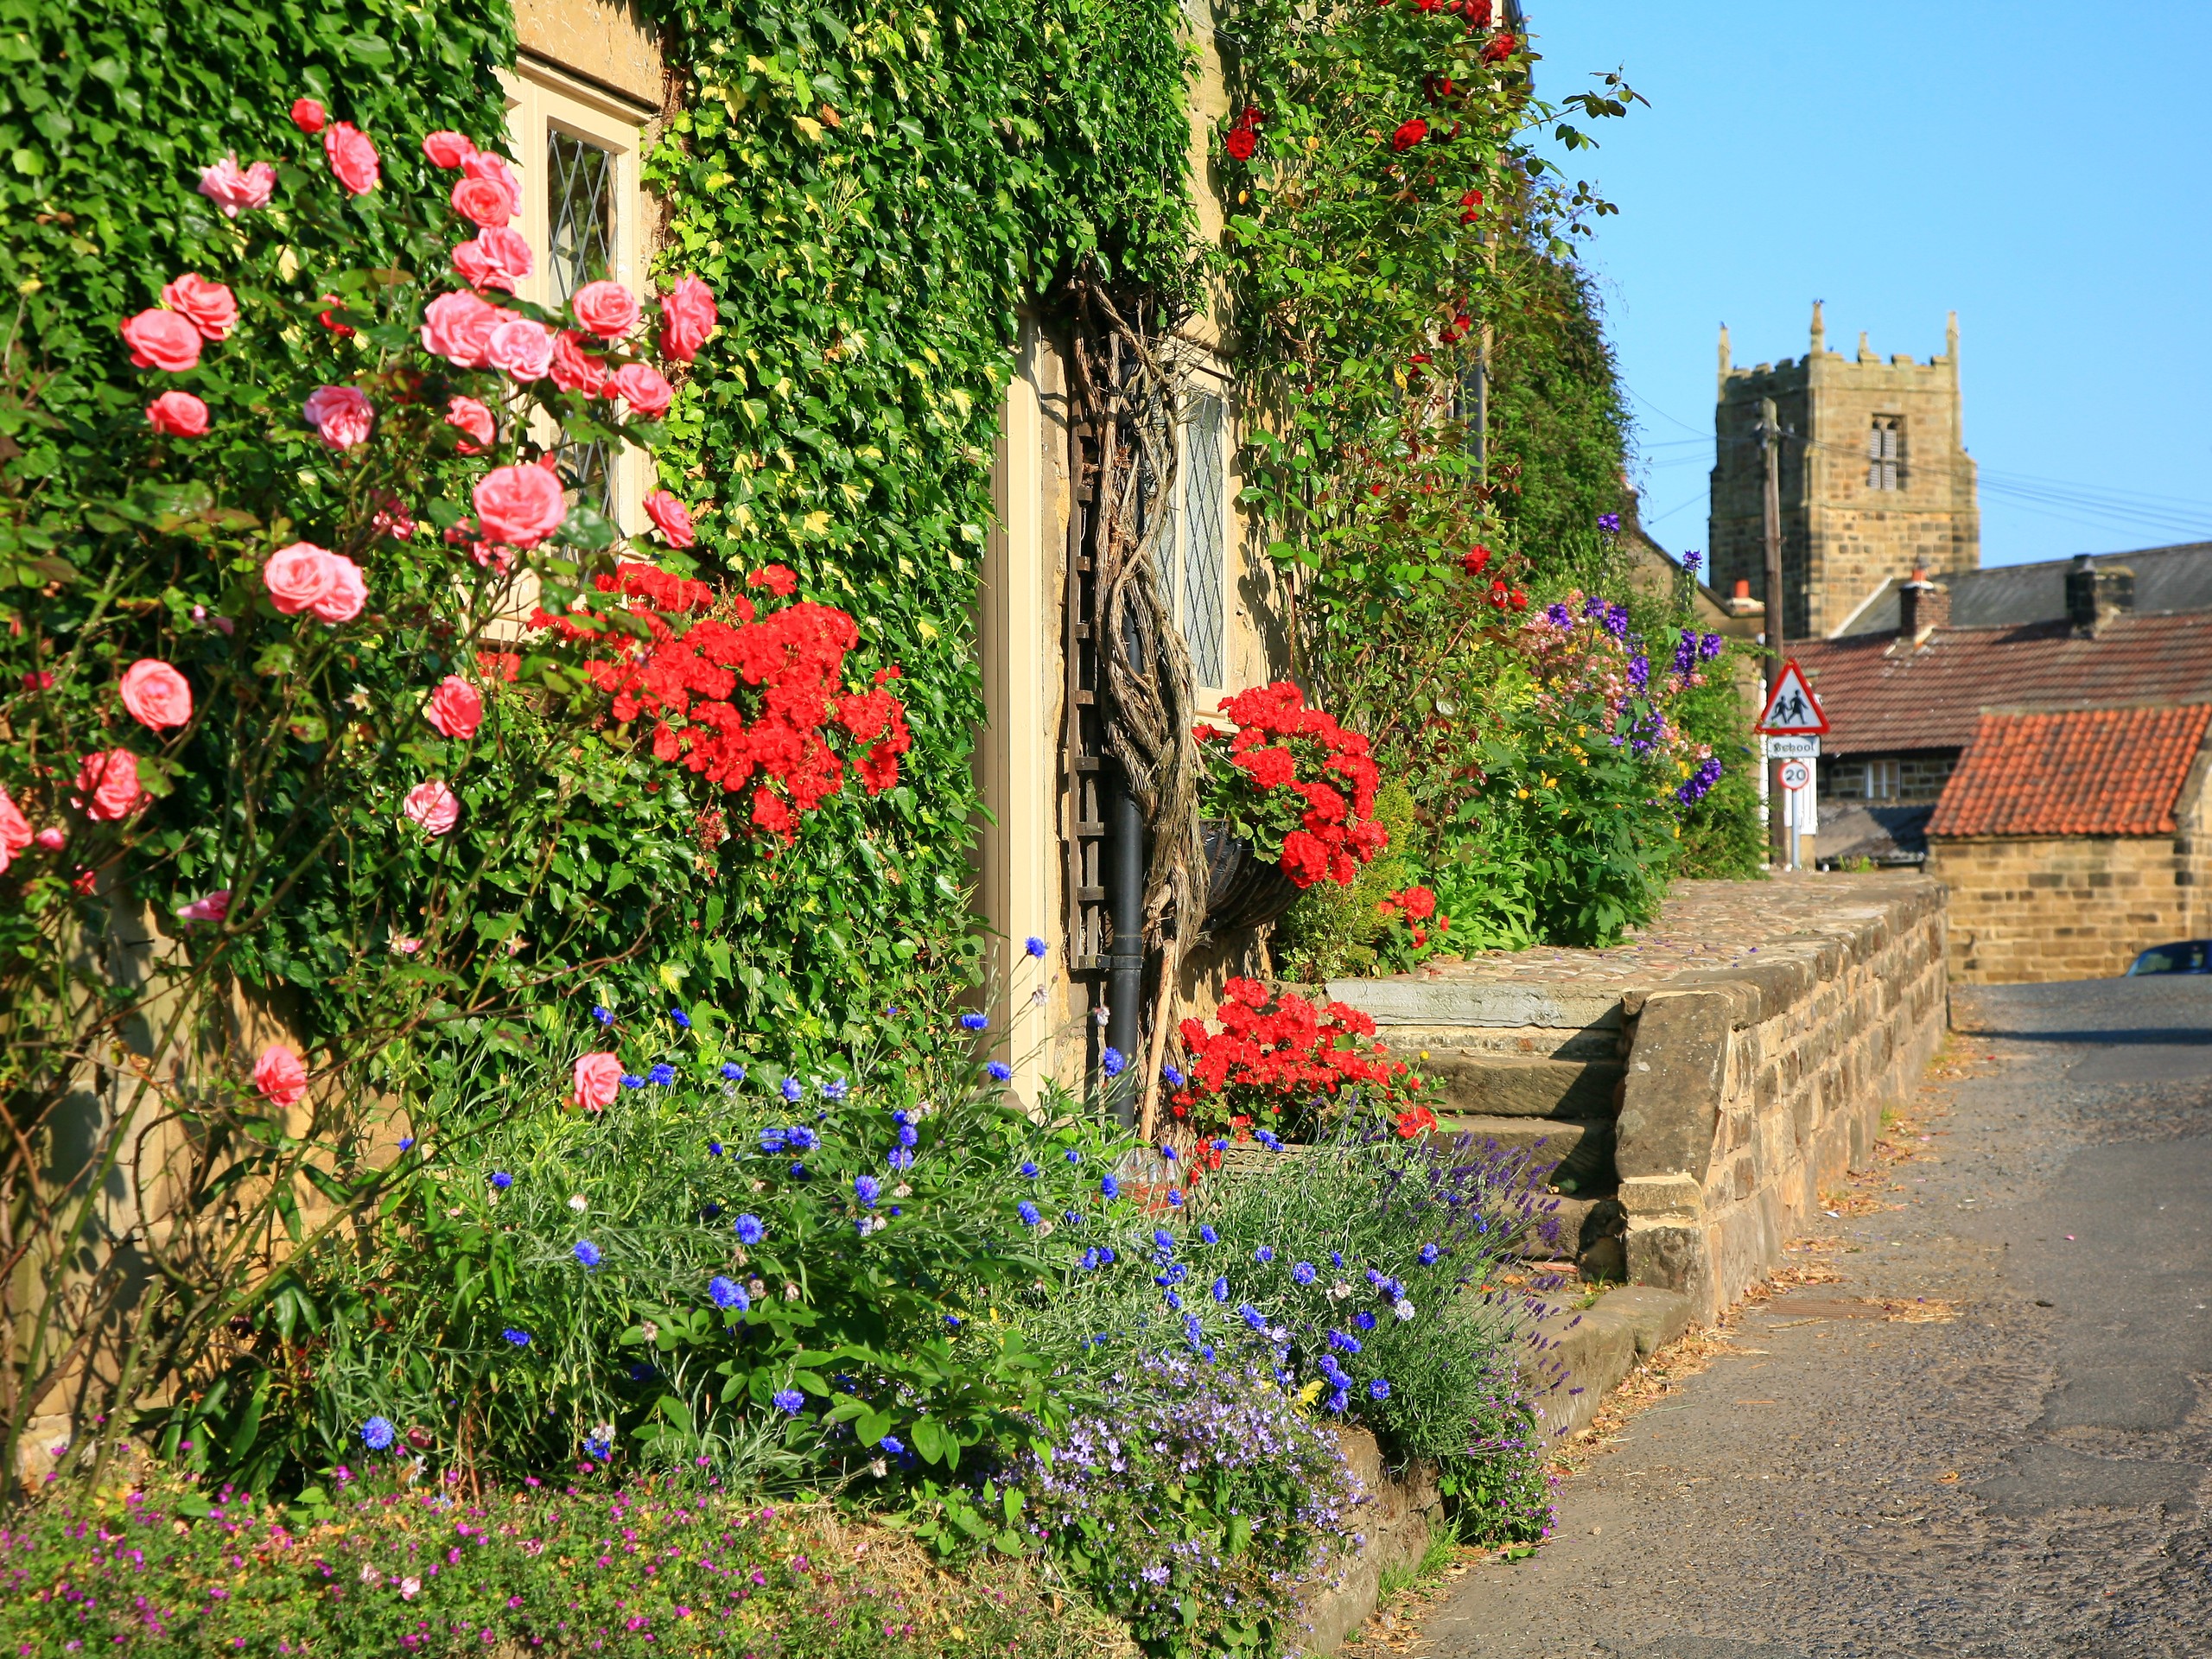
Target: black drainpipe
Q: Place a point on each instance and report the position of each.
(1125, 868)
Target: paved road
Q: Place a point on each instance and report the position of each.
(2028, 1479)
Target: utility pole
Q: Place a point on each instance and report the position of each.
(1770, 436)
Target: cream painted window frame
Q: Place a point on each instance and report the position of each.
(1208, 379)
(543, 99)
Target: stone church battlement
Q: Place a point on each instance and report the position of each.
(1875, 480)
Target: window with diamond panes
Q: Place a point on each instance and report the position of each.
(580, 235)
(1199, 602)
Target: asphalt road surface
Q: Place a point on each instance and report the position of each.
(2027, 1479)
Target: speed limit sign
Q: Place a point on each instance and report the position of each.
(1795, 774)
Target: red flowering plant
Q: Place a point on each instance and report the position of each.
(1295, 785)
(1278, 1067)
(1415, 929)
(741, 696)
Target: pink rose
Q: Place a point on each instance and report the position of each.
(645, 389)
(671, 517)
(53, 838)
(446, 149)
(687, 317)
(213, 908)
(348, 592)
(458, 327)
(482, 164)
(523, 348)
(110, 777)
(178, 415)
(457, 707)
(162, 339)
(599, 1079)
(391, 518)
(576, 370)
(608, 310)
(309, 116)
(156, 695)
(482, 202)
(279, 1075)
(519, 505)
(352, 158)
(474, 419)
(209, 307)
(433, 806)
(498, 257)
(297, 576)
(342, 414)
(14, 832)
(234, 191)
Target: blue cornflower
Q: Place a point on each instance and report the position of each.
(791, 1089)
(771, 1139)
(1109, 1188)
(376, 1434)
(1028, 1213)
(1339, 1399)
(1221, 1290)
(1302, 1274)
(502, 1179)
(1172, 1274)
(1428, 1254)
(520, 1338)
(1073, 1220)
(632, 1080)
(1251, 1316)
(1379, 1388)
(1031, 1170)
(604, 1016)
(865, 1188)
(998, 1070)
(733, 1071)
(1337, 1257)
(952, 1321)
(1174, 1078)
(749, 1230)
(728, 1294)
(714, 1148)
(901, 1158)
(683, 1020)
(974, 1021)
(1074, 1156)
(1090, 1259)
(1033, 945)
(586, 1252)
(1174, 1197)
(836, 1089)
(1375, 1277)
(1207, 1235)
(1265, 1254)
(790, 1401)
(1174, 1302)
(1168, 1153)
(1112, 1062)
(799, 1138)
(664, 1074)
(598, 1448)
(892, 1444)
(1364, 1319)
(1219, 1145)
(1268, 1138)
(1344, 1342)
(1163, 1240)
(407, 1143)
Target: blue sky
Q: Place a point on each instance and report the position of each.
(2043, 170)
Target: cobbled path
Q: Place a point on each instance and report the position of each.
(2026, 1478)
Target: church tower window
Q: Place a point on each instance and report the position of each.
(1885, 453)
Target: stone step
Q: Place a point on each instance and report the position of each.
(1570, 1153)
(1585, 1231)
(1512, 1085)
(1572, 1357)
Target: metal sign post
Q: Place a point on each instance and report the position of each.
(1796, 777)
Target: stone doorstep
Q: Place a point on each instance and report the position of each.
(1409, 1001)
(1517, 1086)
(1578, 1149)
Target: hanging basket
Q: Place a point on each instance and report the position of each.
(1243, 890)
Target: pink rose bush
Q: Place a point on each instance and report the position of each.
(305, 577)
(341, 416)
(156, 695)
(162, 339)
(209, 307)
(433, 806)
(280, 1076)
(178, 415)
(457, 707)
(236, 190)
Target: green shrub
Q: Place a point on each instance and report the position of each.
(428, 1570)
(1333, 931)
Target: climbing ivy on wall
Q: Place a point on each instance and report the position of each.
(874, 193)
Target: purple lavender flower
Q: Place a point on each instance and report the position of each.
(1691, 560)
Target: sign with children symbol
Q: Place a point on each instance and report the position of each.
(1792, 710)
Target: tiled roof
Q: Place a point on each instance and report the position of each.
(1884, 697)
(2101, 772)
(2167, 579)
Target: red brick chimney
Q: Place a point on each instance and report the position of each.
(1922, 607)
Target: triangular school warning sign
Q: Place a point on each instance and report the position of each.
(1792, 710)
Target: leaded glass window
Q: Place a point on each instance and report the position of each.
(1199, 597)
(580, 235)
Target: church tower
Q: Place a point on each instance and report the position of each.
(1874, 473)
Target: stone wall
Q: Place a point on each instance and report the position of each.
(2028, 909)
(1752, 1087)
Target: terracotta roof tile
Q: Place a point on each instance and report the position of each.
(1882, 698)
(2102, 771)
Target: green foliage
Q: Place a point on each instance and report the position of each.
(872, 194)
(1335, 933)
(377, 1568)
